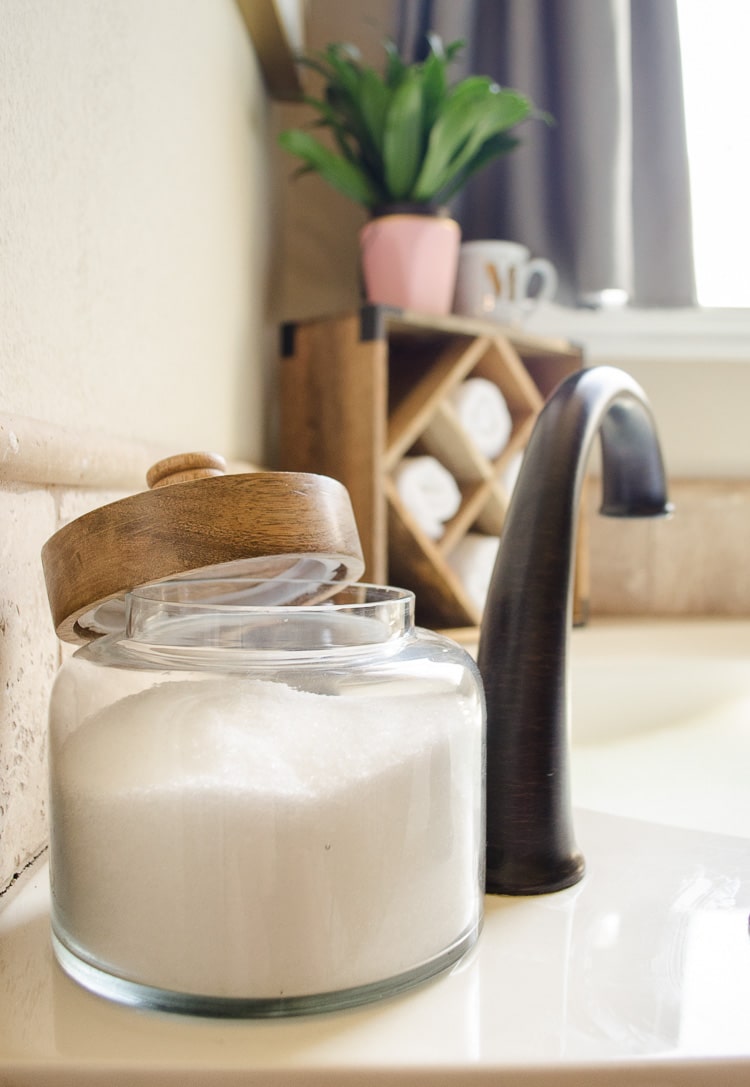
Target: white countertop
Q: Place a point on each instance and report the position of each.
(644, 964)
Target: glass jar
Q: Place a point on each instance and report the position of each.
(261, 809)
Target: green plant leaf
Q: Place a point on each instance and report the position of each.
(435, 88)
(504, 111)
(454, 122)
(491, 149)
(345, 69)
(405, 135)
(402, 137)
(474, 111)
(340, 173)
(375, 99)
(330, 118)
(395, 68)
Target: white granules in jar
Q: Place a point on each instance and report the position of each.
(235, 837)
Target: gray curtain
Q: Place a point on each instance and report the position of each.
(604, 193)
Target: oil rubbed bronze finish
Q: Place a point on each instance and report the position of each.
(531, 846)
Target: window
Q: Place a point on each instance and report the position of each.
(714, 39)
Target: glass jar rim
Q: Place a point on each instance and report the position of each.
(243, 613)
(266, 594)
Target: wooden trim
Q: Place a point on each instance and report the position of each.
(270, 33)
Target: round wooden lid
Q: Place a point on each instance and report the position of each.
(262, 524)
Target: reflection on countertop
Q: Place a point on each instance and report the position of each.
(645, 963)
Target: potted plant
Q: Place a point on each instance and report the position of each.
(405, 142)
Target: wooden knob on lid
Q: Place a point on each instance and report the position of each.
(185, 466)
(287, 525)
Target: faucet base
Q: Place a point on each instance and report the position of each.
(533, 876)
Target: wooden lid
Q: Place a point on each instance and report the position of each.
(262, 524)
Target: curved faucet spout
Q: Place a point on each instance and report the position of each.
(523, 644)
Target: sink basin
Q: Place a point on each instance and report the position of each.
(661, 721)
(640, 974)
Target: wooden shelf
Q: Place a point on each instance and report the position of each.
(362, 390)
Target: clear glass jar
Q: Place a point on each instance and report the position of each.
(265, 810)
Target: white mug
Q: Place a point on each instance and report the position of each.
(497, 280)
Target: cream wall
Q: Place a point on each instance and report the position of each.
(134, 220)
(136, 231)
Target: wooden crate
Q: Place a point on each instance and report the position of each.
(362, 390)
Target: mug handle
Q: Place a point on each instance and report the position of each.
(547, 275)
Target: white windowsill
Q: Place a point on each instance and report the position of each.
(681, 335)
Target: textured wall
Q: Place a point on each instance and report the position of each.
(29, 657)
(134, 219)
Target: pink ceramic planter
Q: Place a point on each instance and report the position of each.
(411, 261)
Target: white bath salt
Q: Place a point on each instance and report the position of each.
(239, 838)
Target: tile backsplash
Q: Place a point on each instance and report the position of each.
(692, 564)
(29, 657)
(48, 476)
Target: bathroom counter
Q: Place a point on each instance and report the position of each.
(643, 965)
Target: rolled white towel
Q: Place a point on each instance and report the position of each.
(472, 561)
(483, 414)
(429, 492)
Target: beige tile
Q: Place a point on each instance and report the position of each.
(28, 660)
(705, 570)
(619, 565)
(37, 452)
(695, 563)
(29, 656)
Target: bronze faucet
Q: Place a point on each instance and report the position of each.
(531, 846)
